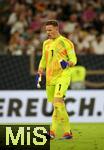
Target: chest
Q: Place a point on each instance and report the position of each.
(55, 49)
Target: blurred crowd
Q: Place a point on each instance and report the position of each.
(22, 25)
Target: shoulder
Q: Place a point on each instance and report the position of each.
(46, 42)
(67, 41)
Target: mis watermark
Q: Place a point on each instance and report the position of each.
(24, 137)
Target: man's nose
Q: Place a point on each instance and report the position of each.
(48, 32)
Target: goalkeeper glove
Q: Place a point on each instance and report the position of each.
(64, 64)
(38, 80)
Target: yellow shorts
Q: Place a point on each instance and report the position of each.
(57, 90)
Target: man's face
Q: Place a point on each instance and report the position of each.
(51, 31)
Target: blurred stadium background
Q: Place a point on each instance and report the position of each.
(21, 38)
(22, 34)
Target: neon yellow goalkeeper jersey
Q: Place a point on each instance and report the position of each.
(55, 50)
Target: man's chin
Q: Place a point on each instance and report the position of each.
(49, 37)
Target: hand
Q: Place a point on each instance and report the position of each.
(64, 64)
(38, 80)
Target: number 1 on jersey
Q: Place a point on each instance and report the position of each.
(52, 52)
(59, 87)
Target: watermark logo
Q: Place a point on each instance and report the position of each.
(24, 137)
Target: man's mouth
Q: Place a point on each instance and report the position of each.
(49, 36)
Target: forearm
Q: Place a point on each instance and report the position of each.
(72, 60)
(42, 66)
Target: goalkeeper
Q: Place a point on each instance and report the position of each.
(58, 57)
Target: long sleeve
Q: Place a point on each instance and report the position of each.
(42, 63)
(71, 52)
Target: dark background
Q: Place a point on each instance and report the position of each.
(15, 71)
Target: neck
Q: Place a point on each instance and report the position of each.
(56, 35)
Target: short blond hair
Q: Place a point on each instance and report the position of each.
(52, 22)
